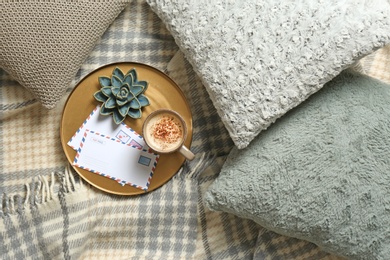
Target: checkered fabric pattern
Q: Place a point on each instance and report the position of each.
(377, 64)
(47, 212)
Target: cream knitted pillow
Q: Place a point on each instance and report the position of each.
(258, 59)
(44, 43)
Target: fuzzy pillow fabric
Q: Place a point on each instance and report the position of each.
(320, 173)
(44, 43)
(259, 59)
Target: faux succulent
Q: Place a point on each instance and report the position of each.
(122, 95)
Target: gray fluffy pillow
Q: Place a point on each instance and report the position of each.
(259, 59)
(321, 173)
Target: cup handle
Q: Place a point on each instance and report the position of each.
(186, 153)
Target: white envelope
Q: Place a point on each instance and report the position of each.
(105, 125)
(116, 160)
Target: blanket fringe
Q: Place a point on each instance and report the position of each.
(40, 190)
(43, 189)
(192, 169)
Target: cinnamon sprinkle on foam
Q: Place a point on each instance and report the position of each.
(166, 131)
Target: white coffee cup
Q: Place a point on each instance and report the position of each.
(165, 131)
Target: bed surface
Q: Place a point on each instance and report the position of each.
(48, 212)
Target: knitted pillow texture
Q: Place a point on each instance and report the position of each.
(321, 173)
(43, 43)
(258, 59)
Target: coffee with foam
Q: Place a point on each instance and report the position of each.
(164, 132)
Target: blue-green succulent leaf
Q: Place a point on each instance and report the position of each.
(134, 113)
(118, 118)
(131, 96)
(104, 81)
(116, 82)
(133, 74)
(134, 104)
(106, 91)
(132, 79)
(144, 84)
(137, 89)
(118, 73)
(126, 85)
(121, 102)
(110, 103)
(115, 90)
(99, 96)
(129, 79)
(124, 91)
(123, 110)
(143, 100)
(105, 111)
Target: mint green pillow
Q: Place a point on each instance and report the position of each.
(321, 173)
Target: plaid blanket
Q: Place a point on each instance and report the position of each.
(48, 212)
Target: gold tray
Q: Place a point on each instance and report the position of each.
(162, 92)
